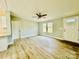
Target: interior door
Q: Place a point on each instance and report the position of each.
(71, 28)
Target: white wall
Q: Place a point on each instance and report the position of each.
(27, 28)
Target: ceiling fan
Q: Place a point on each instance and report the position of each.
(40, 15)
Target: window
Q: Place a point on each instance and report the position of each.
(50, 25)
(44, 27)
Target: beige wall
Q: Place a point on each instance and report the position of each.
(41, 29)
(60, 30)
(27, 28)
(57, 29)
(78, 29)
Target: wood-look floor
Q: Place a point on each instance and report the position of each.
(29, 48)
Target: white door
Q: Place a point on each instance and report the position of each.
(71, 28)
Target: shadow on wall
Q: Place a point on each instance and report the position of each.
(14, 15)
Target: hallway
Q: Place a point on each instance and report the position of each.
(39, 48)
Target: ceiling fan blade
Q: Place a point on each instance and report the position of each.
(44, 15)
(40, 15)
(37, 14)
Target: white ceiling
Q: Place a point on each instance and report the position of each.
(54, 8)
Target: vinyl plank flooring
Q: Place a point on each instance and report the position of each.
(38, 48)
